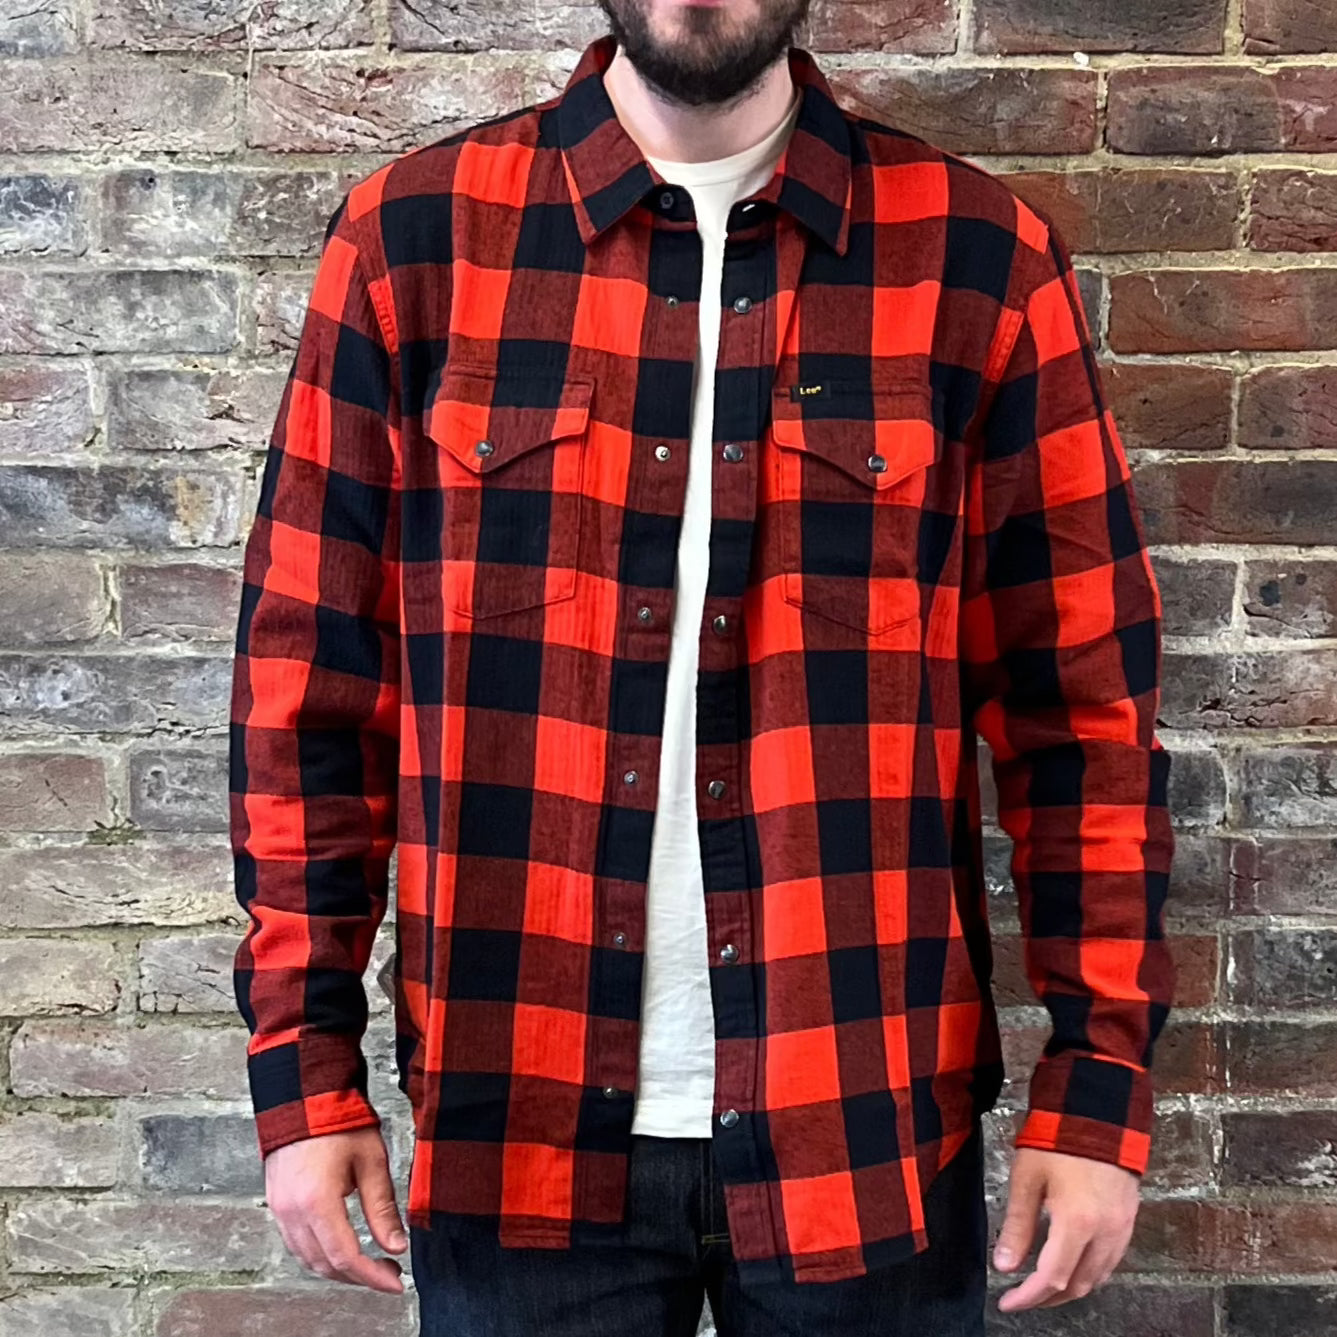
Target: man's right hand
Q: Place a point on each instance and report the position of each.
(306, 1183)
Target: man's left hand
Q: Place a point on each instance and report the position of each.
(1091, 1206)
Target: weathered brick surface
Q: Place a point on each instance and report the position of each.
(481, 25)
(168, 169)
(52, 791)
(1279, 1311)
(1287, 786)
(1203, 311)
(182, 789)
(1136, 210)
(1234, 501)
(333, 106)
(926, 27)
(1274, 27)
(1020, 26)
(1294, 211)
(1293, 599)
(1279, 875)
(1170, 406)
(69, 1311)
(41, 1150)
(131, 104)
(1196, 596)
(1223, 109)
(43, 978)
(1289, 408)
(239, 1311)
(40, 214)
(973, 110)
(103, 884)
(1276, 1149)
(116, 311)
(179, 601)
(48, 410)
(189, 25)
(187, 974)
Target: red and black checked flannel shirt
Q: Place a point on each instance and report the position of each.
(453, 639)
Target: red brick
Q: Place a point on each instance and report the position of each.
(1284, 968)
(1236, 501)
(1277, 26)
(1197, 597)
(1280, 876)
(347, 104)
(1222, 109)
(1170, 406)
(1294, 211)
(1186, 27)
(1250, 1238)
(1270, 1309)
(1200, 878)
(1223, 310)
(1270, 1149)
(926, 27)
(51, 791)
(1259, 691)
(1289, 408)
(1187, 1058)
(248, 1311)
(1282, 1058)
(1293, 599)
(1131, 210)
(977, 110)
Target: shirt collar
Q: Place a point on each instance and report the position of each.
(608, 173)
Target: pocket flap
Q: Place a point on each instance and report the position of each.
(877, 434)
(485, 419)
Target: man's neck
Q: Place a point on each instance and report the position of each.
(696, 134)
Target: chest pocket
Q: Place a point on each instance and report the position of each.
(852, 464)
(512, 458)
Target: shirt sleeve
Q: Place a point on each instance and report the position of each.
(1061, 648)
(314, 741)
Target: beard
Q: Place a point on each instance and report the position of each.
(711, 61)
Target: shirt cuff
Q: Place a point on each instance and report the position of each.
(307, 1087)
(1084, 1105)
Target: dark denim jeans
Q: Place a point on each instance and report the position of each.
(677, 1253)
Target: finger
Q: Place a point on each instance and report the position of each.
(1053, 1268)
(343, 1254)
(1084, 1279)
(376, 1192)
(1024, 1196)
(304, 1247)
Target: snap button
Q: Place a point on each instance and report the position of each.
(671, 300)
(666, 200)
(619, 939)
(610, 1092)
(662, 452)
(630, 778)
(715, 788)
(729, 1118)
(729, 952)
(877, 463)
(483, 448)
(733, 452)
(645, 614)
(742, 305)
(720, 625)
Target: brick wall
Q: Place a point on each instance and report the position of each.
(165, 170)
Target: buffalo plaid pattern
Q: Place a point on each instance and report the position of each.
(453, 640)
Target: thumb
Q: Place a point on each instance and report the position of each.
(376, 1192)
(1023, 1205)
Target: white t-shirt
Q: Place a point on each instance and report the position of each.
(675, 1085)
